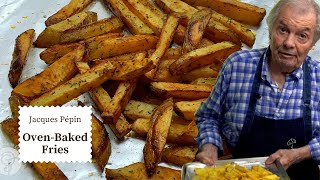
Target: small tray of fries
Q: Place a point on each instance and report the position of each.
(246, 168)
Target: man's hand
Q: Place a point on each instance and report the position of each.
(288, 157)
(208, 154)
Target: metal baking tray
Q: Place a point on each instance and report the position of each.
(188, 169)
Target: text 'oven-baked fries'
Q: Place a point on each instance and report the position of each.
(138, 82)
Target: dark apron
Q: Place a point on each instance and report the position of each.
(263, 136)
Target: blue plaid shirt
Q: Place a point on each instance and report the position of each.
(225, 109)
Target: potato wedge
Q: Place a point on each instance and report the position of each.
(202, 57)
(118, 102)
(22, 47)
(164, 42)
(115, 46)
(55, 52)
(215, 31)
(75, 86)
(171, 53)
(245, 34)
(188, 108)
(57, 73)
(124, 57)
(101, 98)
(137, 109)
(176, 131)
(157, 135)
(204, 81)
(203, 72)
(107, 25)
(73, 7)
(101, 145)
(133, 23)
(179, 90)
(137, 171)
(236, 10)
(179, 155)
(195, 30)
(147, 15)
(126, 70)
(45, 170)
(52, 34)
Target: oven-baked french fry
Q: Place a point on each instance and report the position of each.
(203, 72)
(101, 145)
(55, 52)
(137, 109)
(181, 134)
(133, 23)
(179, 155)
(188, 108)
(236, 10)
(22, 47)
(101, 98)
(73, 7)
(204, 81)
(57, 73)
(157, 135)
(46, 170)
(119, 101)
(137, 171)
(215, 31)
(195, 30)
(180, 90)
(202, 57)
(52, 34)
(164, 42)
(117, 46)
(245, 34)
(124, 57)
(107, 25)
(75, 86)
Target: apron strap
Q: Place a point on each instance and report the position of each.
(307, 102)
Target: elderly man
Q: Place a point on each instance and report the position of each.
(266, 102)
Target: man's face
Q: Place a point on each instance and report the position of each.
(292, 37)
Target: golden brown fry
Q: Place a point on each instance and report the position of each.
(107, 25)
(179, 155)
(204, 81)
(195, 30)
(124, 57)
(126, 70)
(57, 73)
(101, 145)
(118, 102)
(203, 72)
(245, 34)
(101, 98)
(118, 46)
(55, 52)
(202, 57)
(52, 34)
(179, 90)
(188, 108)
(137, 171)
(154, 20)
(164, 42)
(176, 135)
(171, 53)
(19, 57)
(75, 86)
(73, 7)
(236, 10)
(137, 109)
(215, 31)
(157, 135)
(46, 170)
(133, 23)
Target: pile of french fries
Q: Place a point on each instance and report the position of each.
(150, 82)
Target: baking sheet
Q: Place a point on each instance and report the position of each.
(16, 16)
(188, 169)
